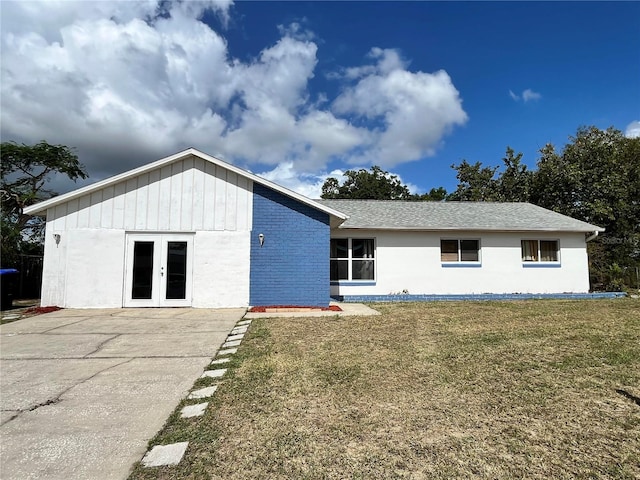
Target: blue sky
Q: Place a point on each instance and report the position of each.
(296, 91)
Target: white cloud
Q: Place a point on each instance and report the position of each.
(388, 61)
(286, 174)
(415, 110)
(528, 95)
(633, 130)
(130, 82)
(297, 31)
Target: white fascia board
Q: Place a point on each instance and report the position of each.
(65, 197)
(42, 207)
(470, 229)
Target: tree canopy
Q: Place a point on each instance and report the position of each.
(26, 171)
(366, 185)
(594, 178)
(479, 183)
(376, 184)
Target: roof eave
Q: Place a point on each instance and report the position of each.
(475, 229)
(41, 207)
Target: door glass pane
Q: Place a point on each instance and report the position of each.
(142, 270)
(176, 270)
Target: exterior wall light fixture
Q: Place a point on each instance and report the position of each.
(261, 238)
(56, 237)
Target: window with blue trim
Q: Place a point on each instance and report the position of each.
(352, 259)
(459, 250)
(539, 250)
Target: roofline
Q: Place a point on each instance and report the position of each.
(477, 229)
(585, 227)
(52, 202)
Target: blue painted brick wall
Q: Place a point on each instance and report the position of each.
(292, 267)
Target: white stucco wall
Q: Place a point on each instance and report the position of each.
(411, 261)
(87, 268)
(221, 269)
(53, 269)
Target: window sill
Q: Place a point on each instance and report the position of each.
(353, 283)
(461, 264)
(541, 265)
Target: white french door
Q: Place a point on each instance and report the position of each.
(158, 271)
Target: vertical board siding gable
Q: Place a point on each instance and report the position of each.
(188, 195)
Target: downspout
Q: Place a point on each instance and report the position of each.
(591, 237)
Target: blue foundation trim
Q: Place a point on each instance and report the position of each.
(541, 265)
(461, 265)
(474, 297)
(292, 266)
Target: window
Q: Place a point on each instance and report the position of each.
(352, 259)
(539, 250)
(459, 250)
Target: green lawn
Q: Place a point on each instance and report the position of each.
(528, 389)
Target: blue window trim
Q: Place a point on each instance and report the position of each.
(545, 264)
(353, 283)
(461, 264)
(541, 265)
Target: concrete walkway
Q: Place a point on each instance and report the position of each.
(82, 391)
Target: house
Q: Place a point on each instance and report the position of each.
(192, 230)
(187, 230)
(456, 248)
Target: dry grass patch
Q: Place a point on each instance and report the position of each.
(530, 389)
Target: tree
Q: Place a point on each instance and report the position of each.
(596, 178)
(26, 170)
(366, 185)
(480, 184)
(475, 183)
(514, 183)
(434, 195)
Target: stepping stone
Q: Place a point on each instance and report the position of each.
(233, 338)
(220, 361)
(165, 454)
(238, 330)
(196, 410)
(233, 343)
(228, 351)
(203, 392)
(214, 373)
(243, 322)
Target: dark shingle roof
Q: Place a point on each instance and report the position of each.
(492, 216)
